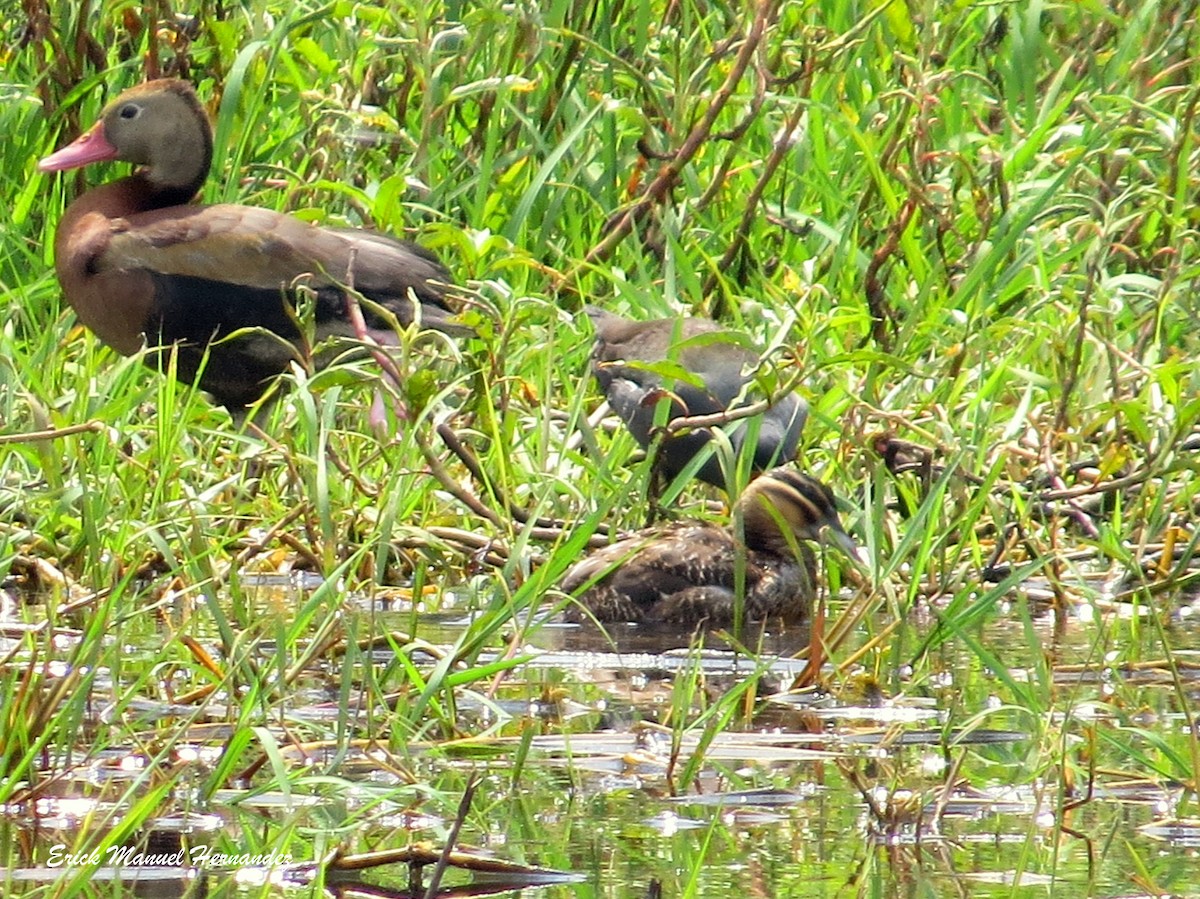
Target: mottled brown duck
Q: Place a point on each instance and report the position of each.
(685, 573)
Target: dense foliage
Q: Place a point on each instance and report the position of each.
(970, 229)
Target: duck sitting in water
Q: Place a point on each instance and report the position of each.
(685, 573)
(719, 367)
(140, 263)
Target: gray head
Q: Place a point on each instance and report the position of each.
(159, 126)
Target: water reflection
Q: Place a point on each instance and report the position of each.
(635, 754)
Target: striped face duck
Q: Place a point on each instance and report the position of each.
(686, 572)
(142, 264)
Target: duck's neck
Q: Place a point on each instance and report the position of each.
(761, 537)
(122, 198)
(155, 194)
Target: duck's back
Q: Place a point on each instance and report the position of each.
(683, 574)
(715, 367)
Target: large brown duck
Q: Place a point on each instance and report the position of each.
(143, 265)
(717, 366)
(686, 573)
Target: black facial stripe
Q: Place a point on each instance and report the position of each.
(811, 497)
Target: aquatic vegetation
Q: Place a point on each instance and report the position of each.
(966, 240)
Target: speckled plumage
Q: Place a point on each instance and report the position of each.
(685, 572)
(719, 363)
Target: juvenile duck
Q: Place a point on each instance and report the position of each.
(685, 572)
(720, 366)
(140, 263)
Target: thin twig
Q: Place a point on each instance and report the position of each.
(438, 469)
(464, 806)
(53, 433)
(717, 419)
(518, 513)
(657, 191)
(783, 146)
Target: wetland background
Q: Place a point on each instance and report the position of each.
(970, 230)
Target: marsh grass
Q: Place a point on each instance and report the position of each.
(972, 231)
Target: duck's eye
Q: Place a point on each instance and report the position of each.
(130, 111)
